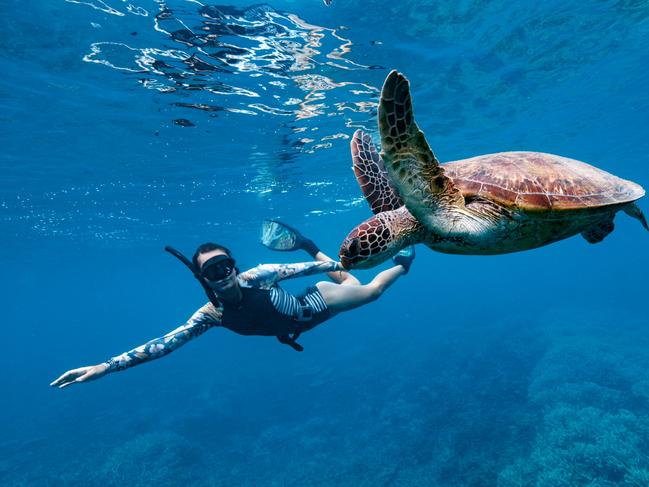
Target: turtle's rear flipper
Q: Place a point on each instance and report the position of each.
(279, 236)
(598, 231)
(634, 211)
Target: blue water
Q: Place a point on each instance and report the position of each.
(130, 126)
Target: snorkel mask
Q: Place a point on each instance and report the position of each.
(217, 268)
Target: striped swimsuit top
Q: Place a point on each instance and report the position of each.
(273, 311)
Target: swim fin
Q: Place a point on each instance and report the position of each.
(405, 257)
(279, 236)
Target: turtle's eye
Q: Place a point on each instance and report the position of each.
(353, 249)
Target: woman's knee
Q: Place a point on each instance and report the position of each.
(374, 291)
(351, 281)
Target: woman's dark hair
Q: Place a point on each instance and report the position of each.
(208, 247)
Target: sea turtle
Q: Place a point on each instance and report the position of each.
(489, 204)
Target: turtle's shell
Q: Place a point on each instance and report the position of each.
(535, 181)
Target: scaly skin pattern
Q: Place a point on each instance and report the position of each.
(411, 165)
(491, 204)
(380, 237)
(372, 176)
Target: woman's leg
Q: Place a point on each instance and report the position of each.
(340, 297)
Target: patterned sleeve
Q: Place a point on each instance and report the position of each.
(266, 275)
(201, 321)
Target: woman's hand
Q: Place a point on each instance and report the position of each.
(82, 374)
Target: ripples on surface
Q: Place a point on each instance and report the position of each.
(289, 66)
(254, 86)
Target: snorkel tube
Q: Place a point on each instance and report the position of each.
(208, 290)
(289, 340)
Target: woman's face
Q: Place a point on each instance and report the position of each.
(224, 285)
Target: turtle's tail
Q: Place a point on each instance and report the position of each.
(634, 211)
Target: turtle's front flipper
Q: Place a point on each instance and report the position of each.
(634, 211)
(371, 175)
(279, 236)
(411, 164)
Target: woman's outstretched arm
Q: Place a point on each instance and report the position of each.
(266, 275)
(204, 319)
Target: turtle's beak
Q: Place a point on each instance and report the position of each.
(349, 251)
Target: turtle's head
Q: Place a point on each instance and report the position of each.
(375, 240)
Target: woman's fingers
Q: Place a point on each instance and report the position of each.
(82, 374)
(69, 376)
(69, 383)
(65, 377)
(87, 376)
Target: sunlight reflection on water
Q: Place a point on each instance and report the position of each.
(246, 61)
